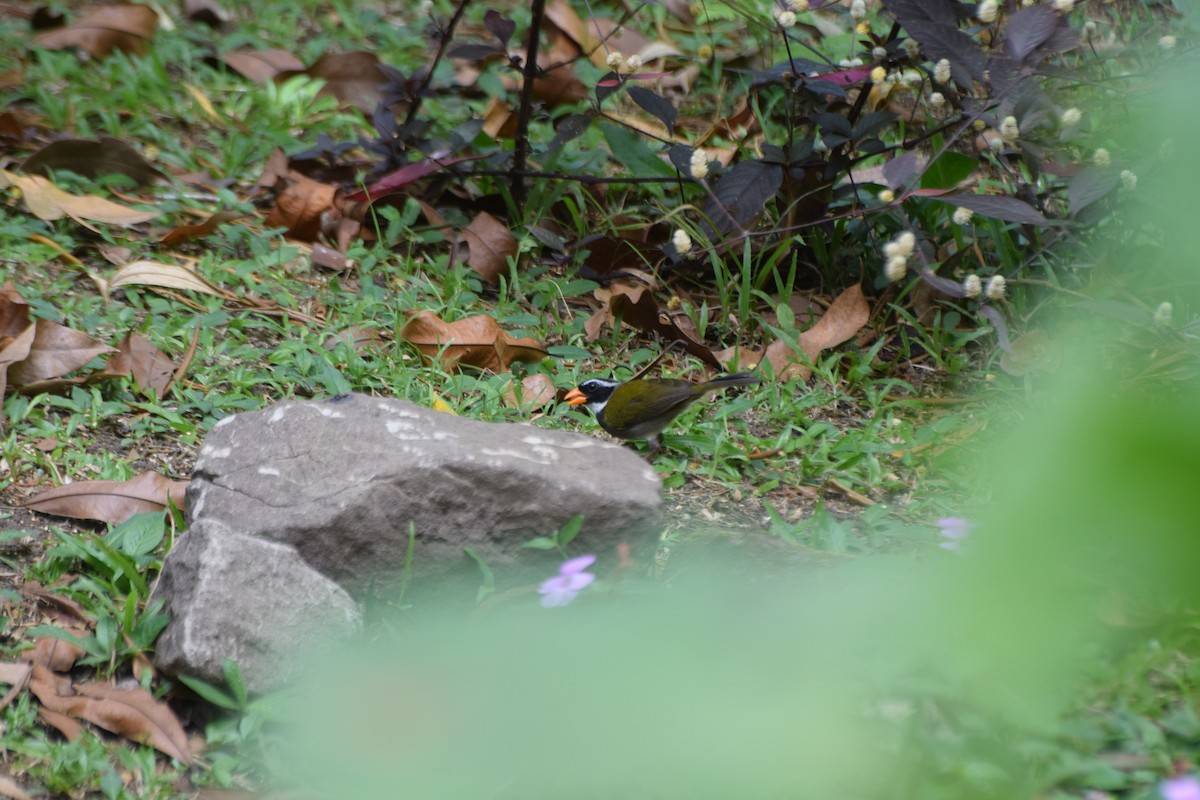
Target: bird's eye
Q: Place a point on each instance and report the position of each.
(587, 387)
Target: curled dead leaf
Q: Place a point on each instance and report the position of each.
(110, 501)
(533, 392)
(48, 202)
(55, 351)
(299, 207)
(476, 341)
(154, 273)
(847, 313)
(489, 246)
(102, 29)
(636, 306)
(185, 233)
(261, 66)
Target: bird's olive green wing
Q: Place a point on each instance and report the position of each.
(641, 401)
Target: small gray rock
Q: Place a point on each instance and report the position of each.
(255, 601)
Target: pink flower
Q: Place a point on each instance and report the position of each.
(954, 530)
(570, 581)
(1184, 788)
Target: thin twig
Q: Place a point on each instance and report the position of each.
(525, 113)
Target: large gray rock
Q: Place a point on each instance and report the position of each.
(334, 485)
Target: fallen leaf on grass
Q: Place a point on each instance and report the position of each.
(110, 501)
(533, 392)
(16, 332)
(476, 341)
(358, 337)
(154, 273)
(10, 788)
(16, 676)
(299, 207)
(132, 713)
(207, 12)
(125, 27)
(489, 246)
(841, 321)
(356, 79)
(636, 306)
(56, 654)
(35, 591)
(138, 358)
(55, 351)
(90, 158)
(261, 66)
(188, 232)
(48, 202)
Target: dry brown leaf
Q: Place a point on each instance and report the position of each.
(110, 501)
(102, 29)
(206, 12)
(355, 79)
(132, 713)
(474, 341)
(47, 202)
(56, 350)
(499, 120)
(489, 245)
(10, 788)
(848, 312)
(90, 158)
(261, 66)
(359, 337)
(34, 590)
(298, 208)
(154, 273)
(16, 331)
(137, 357)
(187, 232)
(16, 675)
(329, 258)
(67, 726)
(636, 306)
(57, 655)
(533, 392)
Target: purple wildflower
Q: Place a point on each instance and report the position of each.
(1183, 788)
(954, 530)
(570, 580)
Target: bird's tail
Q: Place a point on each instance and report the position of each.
(737, 379)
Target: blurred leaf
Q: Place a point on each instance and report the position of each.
(948, 171)
(1008, 209)
(1028, 28)
(932, 24)
(298, 208)
(742, 193)
(1089, 186)
(154, 273)
(845, 316)
(185, 233)
(356, 79)
(535, 391)
(261, 66)
(658, 107)
(499, 26)
(89, 158)
(102, 29)
(47, 202)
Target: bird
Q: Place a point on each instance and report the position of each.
(643, 407)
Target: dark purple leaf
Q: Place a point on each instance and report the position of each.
(1008, 209)
(943, 285)
(500, 27)
(932, 23)
(475, 52)
(568, 128)
(661, 109)
(872, 123)
(833, 123)
(1028, 29)
(993, 315)
(607, 85)
(897, 171)
(742, 193)
(1089, 186)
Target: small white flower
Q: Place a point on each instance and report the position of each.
(799, 6)
(910, 77)
(819, 145)
(1089, 30)
(681, 241)
(941, 72)
(1071, 117)
(972, 285)
(858, 9)
(962, 215)
(698, 166)
(897, 268)
(844, 63)
(937, 99)
(878, 75)
(887, 196)
(1167, 42)
(891, 250)
(912, 48)
(995, 287)
(987, 10)
(996, 144)
(1064, 6)
(1101, 158)
(614, 60)
(1163, 314)
(879, 53)
(1009, 128)
(856, 62)
(907, 242)
(426, 8)
(1128, 179)
(633, 63)
(787, 19)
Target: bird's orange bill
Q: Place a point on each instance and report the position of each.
(575, 398)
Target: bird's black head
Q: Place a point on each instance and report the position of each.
(593, 393)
